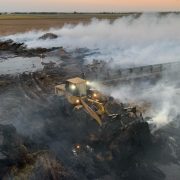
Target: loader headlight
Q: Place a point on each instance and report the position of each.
(77, 101)
(78, 146)
(87, 83)
(73, 87)
(95, 95)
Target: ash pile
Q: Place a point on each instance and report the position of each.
(47, 139)
(71, 145)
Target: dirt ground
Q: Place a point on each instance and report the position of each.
(11, 24)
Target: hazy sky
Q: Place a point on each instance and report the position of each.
(89, 5)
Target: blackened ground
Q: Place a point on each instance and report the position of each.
(43, 136)
(20, 49)
(45, 124)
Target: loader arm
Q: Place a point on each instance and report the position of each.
(93, 114)
(100, 106)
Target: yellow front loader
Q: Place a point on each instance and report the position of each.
(79, 93)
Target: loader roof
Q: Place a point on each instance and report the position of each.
(76, 80)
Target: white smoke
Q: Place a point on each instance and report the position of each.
(149, 39)
(161, 101)
(127, 41)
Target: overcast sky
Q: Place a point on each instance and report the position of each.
(89, 5)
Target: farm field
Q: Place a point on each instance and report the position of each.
(16, 23)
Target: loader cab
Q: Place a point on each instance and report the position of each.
(76, 87)
(73, 89)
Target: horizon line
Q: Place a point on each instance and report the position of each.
(89, 12)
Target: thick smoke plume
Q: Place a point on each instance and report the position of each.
(160, 101)
(149, 39)
(127, 41)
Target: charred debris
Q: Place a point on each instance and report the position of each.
(69, 144)
(20, 49)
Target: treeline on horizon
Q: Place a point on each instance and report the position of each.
(75, 12)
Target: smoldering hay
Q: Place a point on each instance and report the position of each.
(162, 100)
(148, 39)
